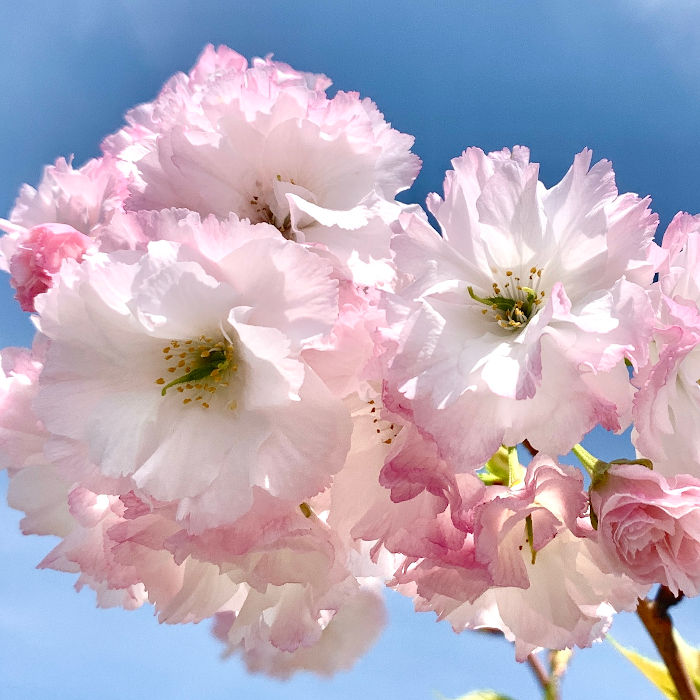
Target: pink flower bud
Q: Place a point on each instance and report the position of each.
(39, 256)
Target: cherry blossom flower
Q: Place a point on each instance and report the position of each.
(280, 583)
(240, 139)
(667, 405)
(531, 568)
(85, 200)
(529, 290)
(265, 142)
(345, 634)
(650, 525)
(168, 360)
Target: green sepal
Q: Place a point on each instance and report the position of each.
(593, 516)
(503, 469)
(643, 461)
(489, 479)
(495, 471)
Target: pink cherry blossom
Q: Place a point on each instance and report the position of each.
(574, 593)
(543, 585)
(249, 125)
(345, 634)
(38, 256)
(266, 143)
(650, 525)
(280, 583)
(169, 360)
(667, 405)
(86, 200)
(529, 290)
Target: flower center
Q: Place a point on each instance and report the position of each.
(386, 432)
(264, 213)
(512, 302)
(205, 367)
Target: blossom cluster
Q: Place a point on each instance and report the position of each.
(262, 388)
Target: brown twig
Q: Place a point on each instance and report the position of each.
(529, 447)
(654, 616)
(665, 599)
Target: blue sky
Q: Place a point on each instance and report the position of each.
(622, 77)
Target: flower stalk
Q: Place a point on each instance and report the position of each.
(658, 623)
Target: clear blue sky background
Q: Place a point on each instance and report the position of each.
(622, 77)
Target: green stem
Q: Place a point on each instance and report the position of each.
(558, 663)
(539, 672)
(588, 461)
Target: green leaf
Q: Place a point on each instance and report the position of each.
(655, 671)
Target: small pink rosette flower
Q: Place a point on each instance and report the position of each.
(651, 525)
(38, 257)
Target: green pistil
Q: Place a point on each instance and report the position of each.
(530, 538)
(511, 313)
(214, 364)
